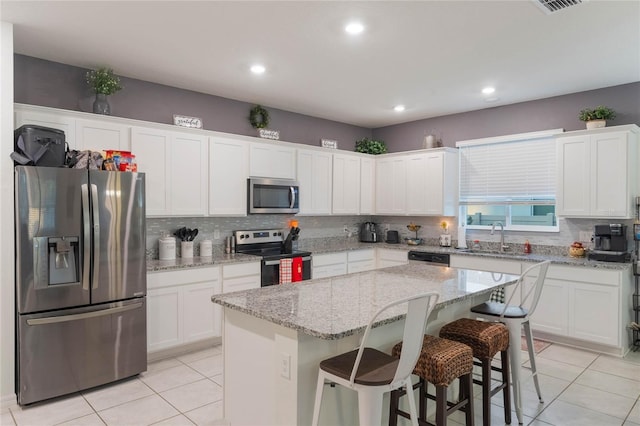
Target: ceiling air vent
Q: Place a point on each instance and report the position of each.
(551, 6)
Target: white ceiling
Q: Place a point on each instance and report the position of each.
(432, 56)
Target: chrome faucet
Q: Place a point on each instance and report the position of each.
(493, 228)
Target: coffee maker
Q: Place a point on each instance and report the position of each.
(610, 243)
(368, 232)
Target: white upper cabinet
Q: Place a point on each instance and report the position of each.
(314, 178)
(97, 135)
(228, 173)
(367, 185)
(346, 184)
(417, 184)
(597, 172)
(391, 184)
(175, 165)
(272, 161)
(151, 148)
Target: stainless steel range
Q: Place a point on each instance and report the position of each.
(270, 245)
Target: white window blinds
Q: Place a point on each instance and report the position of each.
(503, 171)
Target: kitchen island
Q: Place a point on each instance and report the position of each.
(275, 337)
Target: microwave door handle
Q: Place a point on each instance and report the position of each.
(96, 235)
(86, 249)
(292, 196)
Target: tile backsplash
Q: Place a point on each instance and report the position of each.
(320, 227)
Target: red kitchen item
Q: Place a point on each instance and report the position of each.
(285, 270)
(296, 269)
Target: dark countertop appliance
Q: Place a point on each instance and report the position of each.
(368, 233)
(610, 243)
(442, 259)
(270, 245)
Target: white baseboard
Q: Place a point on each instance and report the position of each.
(183, 349)
(581, 344)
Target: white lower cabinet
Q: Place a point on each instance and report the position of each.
(361, 260)
(391, 257)
(328, 265)
(240, 276)
(179, 307)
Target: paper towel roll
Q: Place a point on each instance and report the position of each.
(462, 237)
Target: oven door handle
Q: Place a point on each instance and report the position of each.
(277, 262)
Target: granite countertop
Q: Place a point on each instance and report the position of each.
(333, 308)
(156, 265)
(348, 245)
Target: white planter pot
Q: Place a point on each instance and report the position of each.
(596, 124)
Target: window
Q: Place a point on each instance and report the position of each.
(509, 179)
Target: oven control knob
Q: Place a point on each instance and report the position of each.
(246, 235)
(279, 233)
(275, 233)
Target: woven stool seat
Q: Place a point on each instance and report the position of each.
(441, 360)
(485, 338)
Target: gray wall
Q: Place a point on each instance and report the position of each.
(550, 113)
(52, 84)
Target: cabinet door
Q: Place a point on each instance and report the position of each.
(164, 313)
(228, 173)
(391, 186)
(552, 313)
(610, 195)
(314, 177)
(573, 171)
(367, 185)
(435, 184)
(55, 121)
(189, 174)
(266, 160)
(388, 257)
(151, 148)
(417, 184)
(97, 135)
(329, 265)
(199, 312)
(346, 184)
(595, 313)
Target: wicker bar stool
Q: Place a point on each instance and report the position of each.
(486, 339)
(441, 362)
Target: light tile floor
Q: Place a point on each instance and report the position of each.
(579, 388)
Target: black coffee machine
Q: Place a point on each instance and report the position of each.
(610, 243)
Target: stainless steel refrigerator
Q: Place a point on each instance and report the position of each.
(81, 279)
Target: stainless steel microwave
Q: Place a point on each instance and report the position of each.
(273, 196)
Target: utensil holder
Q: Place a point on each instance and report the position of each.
(186, 248)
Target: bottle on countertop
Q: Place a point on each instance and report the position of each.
(476, 245)
(527, 247)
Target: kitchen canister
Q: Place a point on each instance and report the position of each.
(167, 248)
(186, 248)
(206, 248)
(430, 142)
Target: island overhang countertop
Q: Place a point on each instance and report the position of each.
(333, 308)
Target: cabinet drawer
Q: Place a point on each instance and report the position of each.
(361, 266)
(329, 271)
(387, 257)
(482, 263)
(329, 259)
(240, 270)
(358, 255)
(585, 275)
(184, 276)
(240, 283)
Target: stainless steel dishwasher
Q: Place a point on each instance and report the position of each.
(442, 259)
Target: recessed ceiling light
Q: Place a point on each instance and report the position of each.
(398, 108)
(488, 90)
(258, 69)
(354, 28)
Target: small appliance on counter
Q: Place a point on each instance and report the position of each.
(393, 237)
(368, 233)
(610, 243)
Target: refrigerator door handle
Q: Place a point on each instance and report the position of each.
(86, 223)
(84, 315)
(96, 235)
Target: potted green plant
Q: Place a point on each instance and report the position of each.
(370, 146)
(104, 83)
(597, 117)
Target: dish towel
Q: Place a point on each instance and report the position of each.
(285, 270)
(296, 269)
